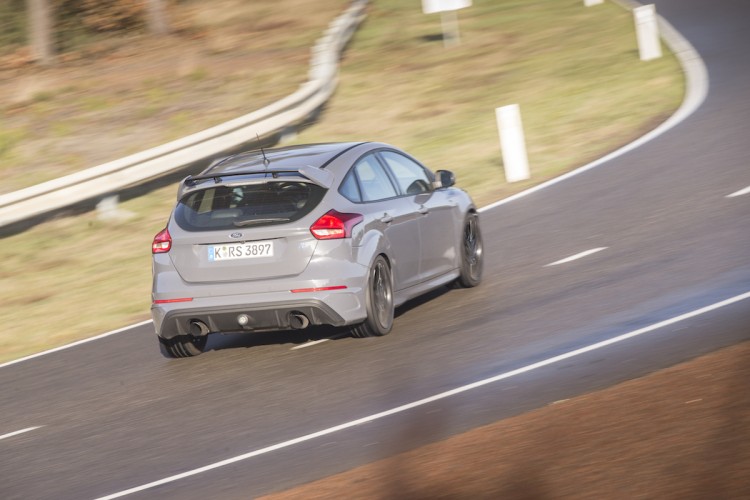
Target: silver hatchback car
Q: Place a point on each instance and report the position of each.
(337, 234)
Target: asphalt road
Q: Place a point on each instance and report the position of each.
(113, 414)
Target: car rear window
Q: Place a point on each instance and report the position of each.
(247, 205)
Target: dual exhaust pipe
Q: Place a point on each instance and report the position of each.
(296, 319)
(198, 328)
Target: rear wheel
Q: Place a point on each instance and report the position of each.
(472, 253)
(379, 302)
(183, 346)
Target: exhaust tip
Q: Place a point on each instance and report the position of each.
(298, 321)
(198, 328)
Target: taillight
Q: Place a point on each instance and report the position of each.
(335, 225)
(162, 242)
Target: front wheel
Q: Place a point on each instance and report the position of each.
(183, 346)
(379, 302)
(472, 253)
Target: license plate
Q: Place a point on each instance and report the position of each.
(250, 250)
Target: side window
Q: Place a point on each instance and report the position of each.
(349, 188)
(411, 177)
(374, 183)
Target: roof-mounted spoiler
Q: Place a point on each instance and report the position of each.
(322, 178)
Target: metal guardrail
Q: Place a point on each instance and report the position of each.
(110, 178)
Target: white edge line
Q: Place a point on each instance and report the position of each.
(696, 90)
(308, 344)
(739, 193)
(442, 395)
(22, 431)
(74, 344)
(576, 256)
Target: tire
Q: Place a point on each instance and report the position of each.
(472, 253)
(184, 346)
(379, 302)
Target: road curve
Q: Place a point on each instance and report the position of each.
(113, 414)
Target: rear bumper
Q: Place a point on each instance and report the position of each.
(221, 315)
(266, 301)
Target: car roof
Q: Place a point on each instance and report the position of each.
(290, 157)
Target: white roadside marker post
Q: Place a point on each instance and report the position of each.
(448, 18)
(512, 143)
(451, 33)
(590, 3)
(647, 31)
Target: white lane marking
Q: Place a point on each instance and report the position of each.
(740, 192)
(576, 256)
(22, 431)
(315, 342)
(431, 399)
(308, 344)
(73, 344)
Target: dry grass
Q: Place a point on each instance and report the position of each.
(574, 71)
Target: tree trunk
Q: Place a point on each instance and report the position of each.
(157, 17)
(40, 30)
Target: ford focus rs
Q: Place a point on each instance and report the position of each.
(325, 234)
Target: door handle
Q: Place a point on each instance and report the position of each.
(386, 219)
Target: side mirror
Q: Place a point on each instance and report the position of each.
(446, 178)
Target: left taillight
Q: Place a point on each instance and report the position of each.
(335, 225)
(162, 242)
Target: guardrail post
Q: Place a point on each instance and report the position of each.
(512, 143)
(109, 209)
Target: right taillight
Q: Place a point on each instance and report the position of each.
(334, 225)
(162, 242)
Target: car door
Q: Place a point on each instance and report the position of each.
(436, 209)
(394, 216)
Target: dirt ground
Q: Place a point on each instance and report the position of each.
(680, 433)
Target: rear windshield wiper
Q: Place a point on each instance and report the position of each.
(252, 222)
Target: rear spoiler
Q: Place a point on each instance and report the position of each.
(322, 178)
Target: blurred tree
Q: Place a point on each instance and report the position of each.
(157, 17)
(40, 31)
(97, 16)
(61, 25)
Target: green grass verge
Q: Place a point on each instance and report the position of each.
(574, 71)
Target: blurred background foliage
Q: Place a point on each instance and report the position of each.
(77, 21)
(74, 21)
(12, 24)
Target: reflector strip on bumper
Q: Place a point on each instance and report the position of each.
(170, 301)
(321, 289)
